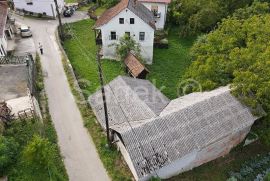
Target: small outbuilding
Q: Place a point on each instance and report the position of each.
(159, 137)
(134, 67)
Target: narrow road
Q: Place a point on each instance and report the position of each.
(80, 156)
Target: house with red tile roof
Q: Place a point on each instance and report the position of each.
(128, 17)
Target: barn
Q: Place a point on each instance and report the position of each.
(159, 137)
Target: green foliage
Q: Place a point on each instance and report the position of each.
(253, 169)
(257, 8)
(237, 53)
(267, 177)
(8, 153)
(127, 44)
(197, 16)
(39, 155)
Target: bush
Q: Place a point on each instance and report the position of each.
(8, 154)
(40, 155)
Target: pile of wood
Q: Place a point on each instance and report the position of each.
(5, 113)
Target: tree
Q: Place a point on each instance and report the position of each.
(8, 153)
(40, 155)
(236, 53)
(127, 44)
(201, 16)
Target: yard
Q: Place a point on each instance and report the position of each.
(168, 66)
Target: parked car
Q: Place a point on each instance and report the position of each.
(67, 13)
(25, 31)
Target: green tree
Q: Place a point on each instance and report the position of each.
(8, 153)
(237, 53)
(202, 16)
(127, 44)
(40, 155)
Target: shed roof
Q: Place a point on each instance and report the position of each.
(129, 98)
(186, 124)
(134, 65)
(3, 16)
(136, 7)
(156, 1)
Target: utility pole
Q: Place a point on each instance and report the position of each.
(59, 18)
(103, 98)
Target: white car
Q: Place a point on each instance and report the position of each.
(25, 31)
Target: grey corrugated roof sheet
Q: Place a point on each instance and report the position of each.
(138, 98)
(187, 124)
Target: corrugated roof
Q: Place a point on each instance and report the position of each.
(139, 100)
(187, 124)
(136, 7)
(3, 16)
(156, 1)
(134, 65)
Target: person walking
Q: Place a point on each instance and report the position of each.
(40, 48)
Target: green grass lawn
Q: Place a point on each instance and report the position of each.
(71, 1)
(170, 64)
(81, 50)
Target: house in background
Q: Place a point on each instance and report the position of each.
(159, 137)
(159, 9)
(43, 7)
(128, 17)
(7, 30)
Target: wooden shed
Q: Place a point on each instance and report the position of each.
(134, 67)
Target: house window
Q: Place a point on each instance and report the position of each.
(142, 36)
(132, 21)
(113, 35)
(121, 20)
(127, 34)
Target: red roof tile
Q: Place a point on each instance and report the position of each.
(3, 16)
(136, 7)
(134, 65)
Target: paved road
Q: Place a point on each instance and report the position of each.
(80, 157)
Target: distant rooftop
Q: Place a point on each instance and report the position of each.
(13, 81)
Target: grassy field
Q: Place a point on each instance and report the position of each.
(170, 64)
(81, 50)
